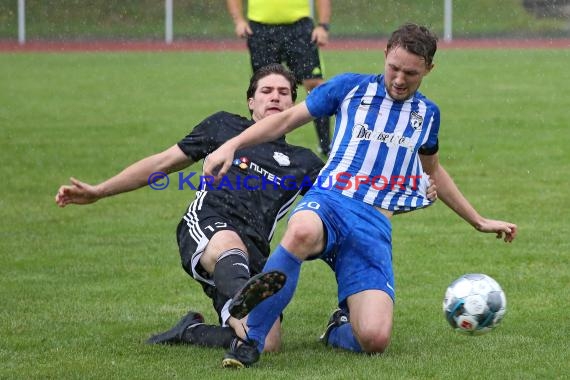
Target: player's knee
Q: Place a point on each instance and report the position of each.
(302, 235)
(373, 340)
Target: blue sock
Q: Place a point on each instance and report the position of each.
(262, 317)
(343, 337)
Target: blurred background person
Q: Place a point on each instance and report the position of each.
(284, 32)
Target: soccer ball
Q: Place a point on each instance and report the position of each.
(474, 304)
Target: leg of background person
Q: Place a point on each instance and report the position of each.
(322, 124)
(262, 46)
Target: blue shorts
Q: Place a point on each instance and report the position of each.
(358, 242)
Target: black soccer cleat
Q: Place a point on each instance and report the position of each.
(255, 290)
(339, 317)
(175, 335)
(242, 353)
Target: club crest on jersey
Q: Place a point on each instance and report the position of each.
(242, 163)
(416, 120)
(281, 159)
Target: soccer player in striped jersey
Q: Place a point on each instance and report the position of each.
(384, 147)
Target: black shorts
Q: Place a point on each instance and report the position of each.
(285, 43)
(193, 234)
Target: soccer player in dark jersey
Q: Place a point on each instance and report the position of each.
(280, 31)
(224, 235)
(385, 145)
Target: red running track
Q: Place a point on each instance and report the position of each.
(236, 45)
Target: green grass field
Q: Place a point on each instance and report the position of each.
(83, 287)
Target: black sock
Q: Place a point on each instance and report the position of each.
(322, 126)
(209, 336)
(231, 272)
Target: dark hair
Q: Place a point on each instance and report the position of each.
(416, 39)
(274, 68)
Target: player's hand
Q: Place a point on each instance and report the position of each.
(320, 36)
(218, 162)
(243, 29)
(504, 230)
(78, 192)
(431, 191)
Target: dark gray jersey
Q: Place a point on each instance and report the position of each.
(262, 183)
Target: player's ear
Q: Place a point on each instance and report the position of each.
(429, 68)
(250, 104)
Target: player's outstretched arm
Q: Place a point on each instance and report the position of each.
(133, 177)
(267, 129)
(450, 194)
(504, 230)
(78, 192)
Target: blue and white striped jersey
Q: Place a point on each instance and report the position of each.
(374, 156)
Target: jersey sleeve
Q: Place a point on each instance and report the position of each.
(325, 99)
(431, 146)
(203, 139)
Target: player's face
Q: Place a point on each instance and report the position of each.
(273, 95)
(403, 73)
